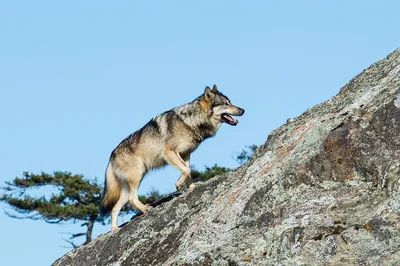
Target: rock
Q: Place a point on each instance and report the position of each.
(323, 190)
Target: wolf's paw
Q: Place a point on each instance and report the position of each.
(179, 187)
(114, 229)
(146, 208)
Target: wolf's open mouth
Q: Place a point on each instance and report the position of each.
(229, 120)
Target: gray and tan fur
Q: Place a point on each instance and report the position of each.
(168, 138)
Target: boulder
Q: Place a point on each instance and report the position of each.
(324, 189)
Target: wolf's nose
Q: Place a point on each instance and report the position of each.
(242, 110)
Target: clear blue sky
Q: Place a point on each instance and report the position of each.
(76, 77)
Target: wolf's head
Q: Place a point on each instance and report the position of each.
(221, 108)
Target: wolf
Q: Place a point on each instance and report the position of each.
(168, 138)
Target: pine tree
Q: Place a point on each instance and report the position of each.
(73, 198)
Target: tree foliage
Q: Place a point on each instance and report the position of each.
(246, 154)
(208, 173)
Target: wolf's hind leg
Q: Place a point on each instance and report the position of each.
(135, 178)
(174, 159)
(123, 199)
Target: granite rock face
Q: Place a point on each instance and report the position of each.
(323, 190)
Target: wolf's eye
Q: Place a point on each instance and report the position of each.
(220, 104)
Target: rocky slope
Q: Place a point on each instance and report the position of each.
(323, 190)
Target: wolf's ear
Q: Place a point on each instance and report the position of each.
(208, 94)
(215, 89)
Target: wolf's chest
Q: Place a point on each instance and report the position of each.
(187, 145)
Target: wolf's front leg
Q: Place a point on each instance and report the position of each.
(185, 179)
(174, 159)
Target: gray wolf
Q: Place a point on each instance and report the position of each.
(168, 138)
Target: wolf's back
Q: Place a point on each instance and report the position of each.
(112, 191)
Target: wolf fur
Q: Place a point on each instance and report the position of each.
(168, 138)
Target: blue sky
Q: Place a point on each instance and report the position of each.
(76, 77)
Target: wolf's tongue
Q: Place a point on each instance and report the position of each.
(231, 120)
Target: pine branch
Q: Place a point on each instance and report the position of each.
(77, 235)
(69, 242)
(31, 217)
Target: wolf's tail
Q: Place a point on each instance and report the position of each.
(112, 191)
